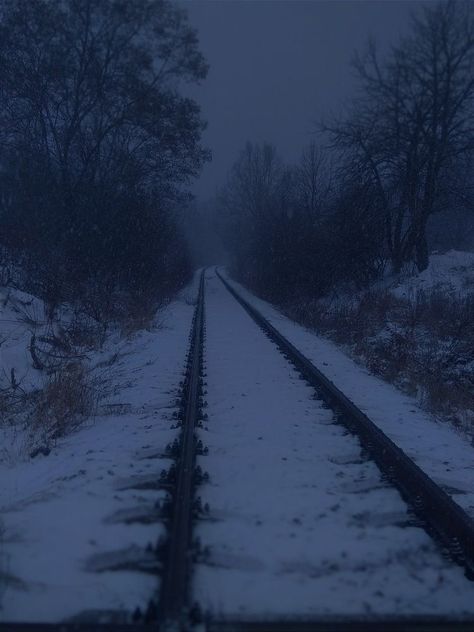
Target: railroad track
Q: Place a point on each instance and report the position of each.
(444, 520)
(174, 599)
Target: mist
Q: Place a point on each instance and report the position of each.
(278, 67)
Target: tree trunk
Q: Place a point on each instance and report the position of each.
(421, 250)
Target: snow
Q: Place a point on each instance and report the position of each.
(451, 272)
(299, 523)
(66, 516)
(436, 447)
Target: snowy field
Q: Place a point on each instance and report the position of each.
(451, 273)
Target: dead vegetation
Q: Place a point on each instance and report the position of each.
(423, 344)
(70, 396)
(55, 369)
(62, 389)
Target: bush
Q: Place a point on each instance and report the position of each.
(69, 397)
(424, 345)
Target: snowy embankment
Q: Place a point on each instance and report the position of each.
(414, 330)
(445, 454)
(451, 273)
(301, 524)
(69, 518)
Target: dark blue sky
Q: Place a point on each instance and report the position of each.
(277, 67)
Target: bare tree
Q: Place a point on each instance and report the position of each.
(313, 181)
(97, 138)
(413, 123)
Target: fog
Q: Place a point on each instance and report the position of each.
(277, 67)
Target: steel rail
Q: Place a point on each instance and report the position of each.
(174, 596)
(441, 517)
(419, 491)
(74, 627)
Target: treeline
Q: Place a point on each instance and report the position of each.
(97, 143)
(402, 155)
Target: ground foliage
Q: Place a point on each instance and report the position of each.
(422, 343)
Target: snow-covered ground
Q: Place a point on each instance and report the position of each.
(437, 448)
(299, 523)
(70, 517)
(451, 272)
(413, 329)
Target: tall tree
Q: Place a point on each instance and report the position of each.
(312, 181)
(97, 138)
(413, 123)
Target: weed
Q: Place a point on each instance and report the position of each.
(424, 344)
(69, 396)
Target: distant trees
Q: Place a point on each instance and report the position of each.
(313, 182)
(96, 145)
(412, 126)
(250, 204)
(290, 233)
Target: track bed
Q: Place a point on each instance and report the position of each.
(302, 523)
(274, 511)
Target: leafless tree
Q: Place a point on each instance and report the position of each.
(97, 139)
(413, 123)
(313, 181)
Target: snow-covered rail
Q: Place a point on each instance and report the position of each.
(177, 550)
(172, 609)
(440, 516)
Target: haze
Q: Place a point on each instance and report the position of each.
(277, 67)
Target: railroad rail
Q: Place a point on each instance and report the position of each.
(174, 600)
(442, 518)
(354, 624)
(172, 609)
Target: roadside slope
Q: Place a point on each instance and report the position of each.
(73, 516)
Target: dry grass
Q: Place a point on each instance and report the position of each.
(141, 315)
(424, 345)
(69, 396)
(33, 421)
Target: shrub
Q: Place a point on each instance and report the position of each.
(423, 344)
(69, 397)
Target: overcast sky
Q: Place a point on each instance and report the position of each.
(276, 67)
